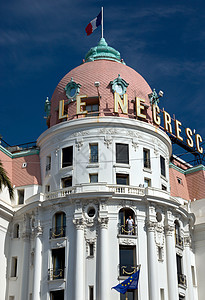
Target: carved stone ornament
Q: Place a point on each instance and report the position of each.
(109, 131)
(135, 144)
(151, 226)
(39, 230)
(79, 144)
(169, 230)
(187, 241)
(103, 222)
(108, 141)
(127, 242)
(79, 223)
(80, 133)
(159, 236)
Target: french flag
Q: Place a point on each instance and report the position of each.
(94, 24)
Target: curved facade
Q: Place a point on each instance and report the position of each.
(70, 237)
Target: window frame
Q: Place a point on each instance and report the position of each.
(146, 159)
(93, 158)
(65, 156)
(121, 175)
(119, 153)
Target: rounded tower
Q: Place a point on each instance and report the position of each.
(105, 208)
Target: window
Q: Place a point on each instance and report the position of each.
(13, 266)
(159, 253)
(67, 182)
(122, 153)
(130, 295)
(193, 276)
(47, 188)
(162, 165)
(57, 295)
(92, 109)
(147, 182)
(161, 294)
(16, 231)
(91, 292)
(127, 260)
(146, 156)
(48, 163)
(164, 188)
(20, 197)
(91, 249)
(93, 178)
(93, 153)
(67, 157)
(58, 261)
(179, 180)
(59, 225)
(122, 179)
(126, 227)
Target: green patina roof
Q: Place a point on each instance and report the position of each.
(103, 51)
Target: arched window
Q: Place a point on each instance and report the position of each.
(59, 225)
(16, 231)
(126, 221)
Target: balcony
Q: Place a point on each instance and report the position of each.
(54, 274)
(127, 270)
(179, 241)
(182, 280)
(123, 229)
(57, 232)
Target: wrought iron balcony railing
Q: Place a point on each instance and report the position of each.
(124, 229)
(127, 270)
(182, 280)
(54, 274)
(57, 232)
(179, 241)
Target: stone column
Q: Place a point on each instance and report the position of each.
(190, 291)
(79, 265)
(37, 264)
(152, 266)
(25, 272)
(104, 257)
(171, 263)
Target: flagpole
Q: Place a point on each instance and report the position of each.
(102, 21)
(126, 296)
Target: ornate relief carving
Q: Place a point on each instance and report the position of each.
(169, 229)
(159, 236)
(108, 141)
(103, 221)
(80, 133)
(109, 131)
(127, 242)
(79, 223)
(79, 144)
(135, 144)
(151, 226)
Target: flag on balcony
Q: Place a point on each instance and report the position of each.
(130, 283)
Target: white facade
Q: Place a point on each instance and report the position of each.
(67, 237)
(154, 213)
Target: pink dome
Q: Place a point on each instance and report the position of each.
(103, 71)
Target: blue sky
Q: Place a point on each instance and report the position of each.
(40, 41)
